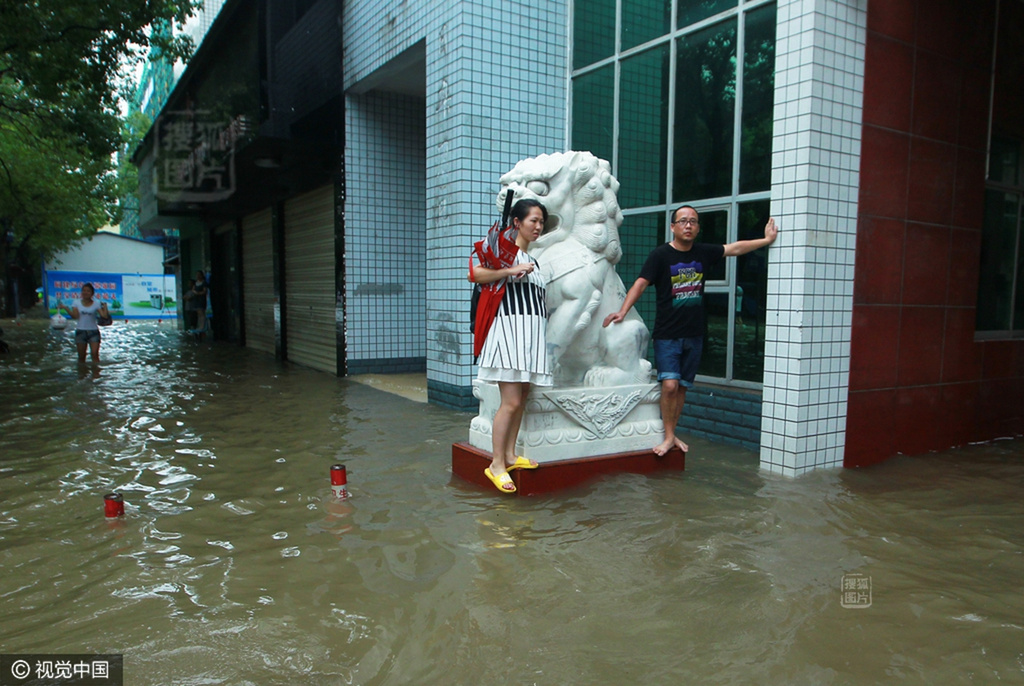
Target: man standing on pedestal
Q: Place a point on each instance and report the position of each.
(678, 270)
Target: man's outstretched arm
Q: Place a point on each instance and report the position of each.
(771, 232)
(635, 291)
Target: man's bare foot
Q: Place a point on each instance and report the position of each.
(670, 443)
(665, 446)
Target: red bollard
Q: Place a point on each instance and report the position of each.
(113, 505)
(339, 479)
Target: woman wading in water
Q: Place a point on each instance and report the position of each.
(87, 332)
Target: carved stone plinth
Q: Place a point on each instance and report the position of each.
(468, 463)
(570, 423)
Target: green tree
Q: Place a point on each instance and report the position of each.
(61, 68)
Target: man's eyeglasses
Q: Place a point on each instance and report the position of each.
(688, 220)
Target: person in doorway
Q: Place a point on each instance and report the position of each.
(85, 311)
(678, 270)
(514, 354)
(190, 307)
(197, 299)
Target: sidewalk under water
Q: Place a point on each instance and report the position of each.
(233, 564)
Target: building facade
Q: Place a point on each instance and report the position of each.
(155, 82)
(126, 273)
(361, 144)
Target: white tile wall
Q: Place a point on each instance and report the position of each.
(496, 92)
(816, 150)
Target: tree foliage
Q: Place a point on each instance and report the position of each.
(61, 70)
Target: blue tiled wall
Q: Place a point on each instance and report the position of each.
(723, 415)
(385, 232)
(496, 92)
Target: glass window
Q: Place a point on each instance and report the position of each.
(716, 342)
(714, 228)
(751, 295)
(643, 20)
(593, 112)
(758, 100)
(1004, 161)
(1001, 272)
(633, 104)
(643, 128)
(1007, 101)
(692, 11)
(705, 102)
(1018, 308)
(593, 32)
(639, 235)
(1000, 258)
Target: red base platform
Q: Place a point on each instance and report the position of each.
(469, 463)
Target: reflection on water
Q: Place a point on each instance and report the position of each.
(234, 565)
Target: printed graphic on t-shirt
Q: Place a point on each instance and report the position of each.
(686, 278)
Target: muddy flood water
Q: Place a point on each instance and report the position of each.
(234, 565)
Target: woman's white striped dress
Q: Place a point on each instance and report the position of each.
(516, 345)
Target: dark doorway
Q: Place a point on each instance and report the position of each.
(225, 300)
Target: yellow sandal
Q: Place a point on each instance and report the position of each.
(522, 463)
(500, 480)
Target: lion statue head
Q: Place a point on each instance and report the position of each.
(577, 253)
(579, 192)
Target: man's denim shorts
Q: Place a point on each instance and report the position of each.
(678, 358)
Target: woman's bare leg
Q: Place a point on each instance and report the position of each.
(505, 424)
(517, 422)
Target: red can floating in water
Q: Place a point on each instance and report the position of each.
(339, 481)
(113, 505)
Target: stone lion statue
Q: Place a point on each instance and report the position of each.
(578, 252)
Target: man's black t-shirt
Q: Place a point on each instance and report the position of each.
(678, 277)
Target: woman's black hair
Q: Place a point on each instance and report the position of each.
(91, 287)
(523, 207)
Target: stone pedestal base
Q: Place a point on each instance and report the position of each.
(575, 434)
(469, 463)
(570, 423)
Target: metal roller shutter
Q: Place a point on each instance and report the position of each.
(258, 281)
(309, 280)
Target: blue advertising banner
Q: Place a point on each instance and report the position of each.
(128, 296)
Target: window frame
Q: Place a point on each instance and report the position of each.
(1015, 188)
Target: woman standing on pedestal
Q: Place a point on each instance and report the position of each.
(515, 354)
